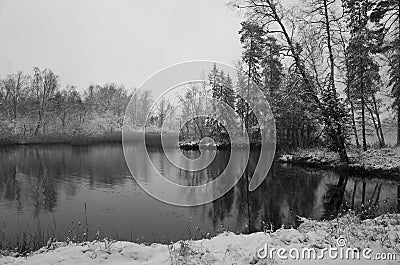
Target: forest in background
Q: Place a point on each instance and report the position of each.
(341, 61)
(329, 69)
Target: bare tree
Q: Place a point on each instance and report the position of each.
(15, 86)
(271, 14)
(164, 108)
(195, 104)
(44, 84)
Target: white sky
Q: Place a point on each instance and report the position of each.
(124, 41)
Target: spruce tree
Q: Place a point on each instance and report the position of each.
(386, 15)
(363, 72)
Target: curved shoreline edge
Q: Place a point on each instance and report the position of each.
(380, 163)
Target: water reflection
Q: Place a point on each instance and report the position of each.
(48, 186)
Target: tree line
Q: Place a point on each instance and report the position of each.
(327, 69)
(324, 65)
(34, 105)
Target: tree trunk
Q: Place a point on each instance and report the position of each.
(38, 122)
(349, 98)
(248, 94)
(364, 186)
(378, 195)
(363, 123)
(364, 139)
(398, 123)
(353, 120)
(41, 112)
(340, 134)
(376, 127)
(15, 103)
(354, 194)
(378, 119)
(271, 89)
(398, 198)
(342, 146)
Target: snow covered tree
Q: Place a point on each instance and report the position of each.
(252, 39)
(44, 84)
(363, 71)
(272, 68)
(15, 86)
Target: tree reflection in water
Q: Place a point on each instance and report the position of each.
(51, 184)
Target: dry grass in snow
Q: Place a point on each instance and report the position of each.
(381, 234)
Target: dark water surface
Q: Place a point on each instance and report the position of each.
(45, 188)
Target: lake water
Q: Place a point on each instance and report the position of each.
(46, 189)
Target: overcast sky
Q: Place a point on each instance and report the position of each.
(124, 41)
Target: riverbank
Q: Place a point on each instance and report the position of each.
(193, 145)
(153, 138)
(381, 235)
(383, 162)
(79, 139)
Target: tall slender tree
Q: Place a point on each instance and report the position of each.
(363, 71)
(386, 15)
(334, 110)
(272, 68)
(271, 14)
(252, 39)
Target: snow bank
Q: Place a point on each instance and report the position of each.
(379, 160)
(381, 234)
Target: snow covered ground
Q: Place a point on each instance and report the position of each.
(381, 235)
(373, 159)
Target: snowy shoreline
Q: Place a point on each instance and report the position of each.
(381, 235)
(380, 163)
